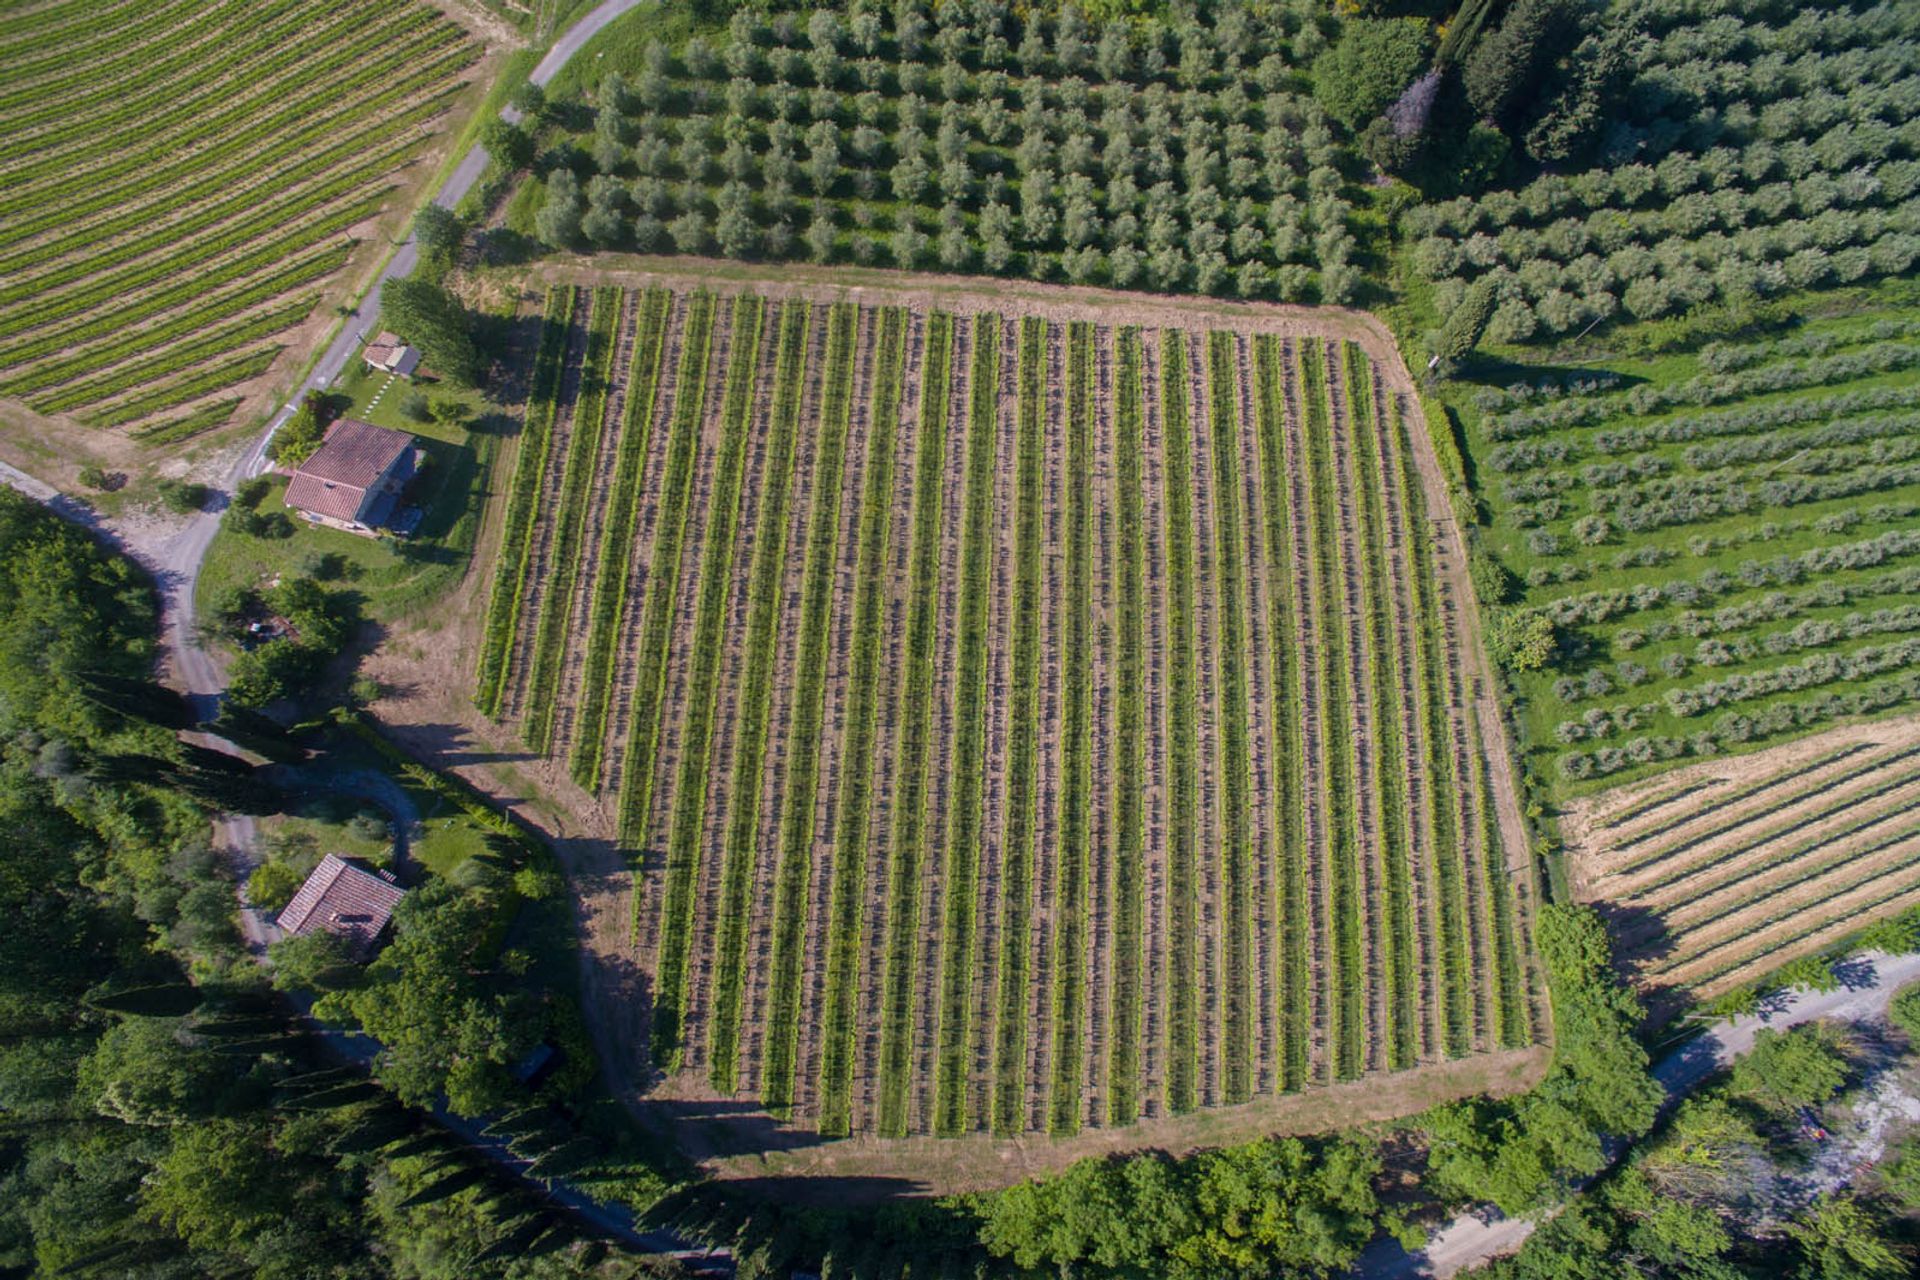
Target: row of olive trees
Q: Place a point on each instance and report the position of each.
(1120, 183)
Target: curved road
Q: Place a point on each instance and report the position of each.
(1475, 1238)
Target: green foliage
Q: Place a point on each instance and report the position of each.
(67, 613)
(183, 497)
(272, 885)
(438, 229)
(561, 211)
(1503, 72)
(1900, 1176)
(1788, 1070)
(1845, 1238)
(299, 435)
(509, 145)
(1808, 973)
(414, 408)
(1905, 1011)
(1518, 1153)
(1466, 324)
(1374, 60)
(444, 1027)
(1492, 583)
(434, 320)
(1272, 1207)
(1521, 639)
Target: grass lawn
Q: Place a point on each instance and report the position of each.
(394, 578)
(326, 824)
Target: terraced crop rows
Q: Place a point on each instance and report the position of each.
(142, 281)
(1722, 872)
(1017, 723)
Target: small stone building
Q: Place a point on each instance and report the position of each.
(390, 355)
(350, 901)
(355, 478)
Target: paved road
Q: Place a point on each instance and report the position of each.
(1475, 1238)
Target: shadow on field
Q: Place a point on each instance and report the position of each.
(453, 749)
(1639, 933)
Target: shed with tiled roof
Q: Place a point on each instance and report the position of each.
(353, 480)
(350, 901)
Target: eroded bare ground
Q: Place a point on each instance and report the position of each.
(428, 710)
(1714, 874)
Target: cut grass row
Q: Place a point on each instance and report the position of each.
(189, 386)
(686, 830)
(793, 873)
(322, 259)
(755, 707)
(917, 723)
(646, 715)
(1391, 750)
(523, 504)
(846, 929)
(1236, 871)
(1182, 684)
(1882, 785)
(1775, 804)
(115, 341)
(1075, 638)
(1451, 956)
(1129, 746)
(193, 423)
(400, 64)
(1010, 1089)
(959, 874)
(613, 576)
(1292, 980)
(1344, 963)
(553, 629)
(1511, 1009)
(236, 333)
(223, 195)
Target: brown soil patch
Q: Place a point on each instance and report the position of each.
(1715, 910)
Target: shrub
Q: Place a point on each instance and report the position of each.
(181, 496)
(414, 408)
(1374, 61)
(1521, 639)
(272, 886)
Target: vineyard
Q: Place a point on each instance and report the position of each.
(1724, 539)
(1018, 720)
(1716, 875)
(184, 180)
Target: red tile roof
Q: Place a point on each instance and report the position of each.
(346, 900)
(335, 479)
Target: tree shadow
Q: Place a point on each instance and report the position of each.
(1855, 973)
(1494, 371)
(1639, 932)
(452, 749)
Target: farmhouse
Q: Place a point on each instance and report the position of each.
(390, 355)
(354, 478)
(347, 900)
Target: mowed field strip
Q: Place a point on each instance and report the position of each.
(1019, 720)
(1717, 874)
(182, 182)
